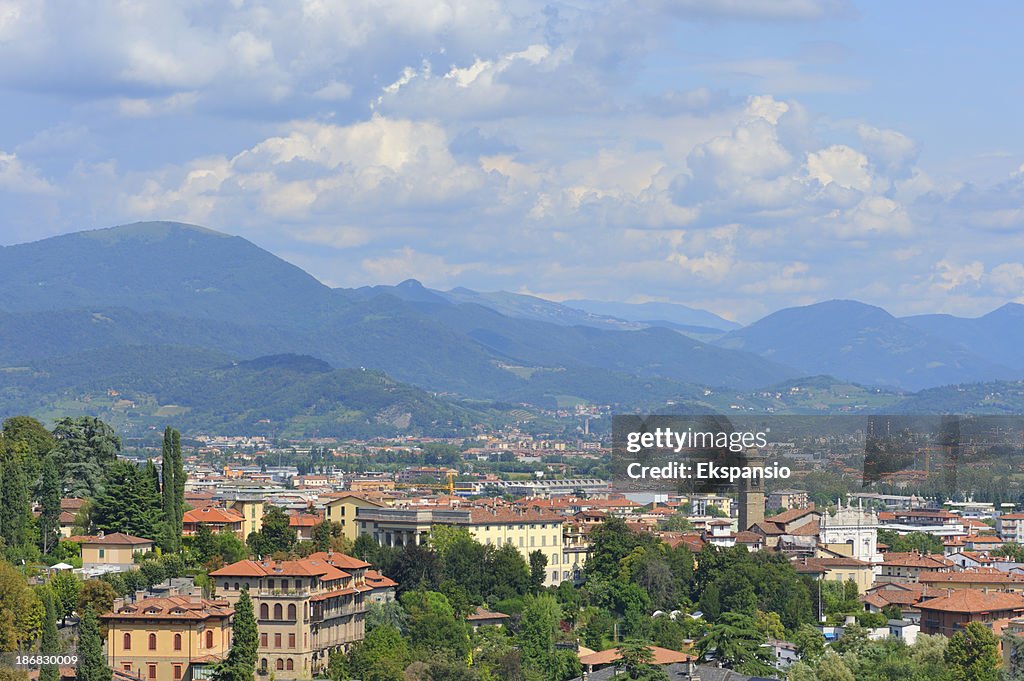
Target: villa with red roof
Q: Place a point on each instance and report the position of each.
(305, 609)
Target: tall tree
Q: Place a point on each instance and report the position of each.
(171, 538)
(973, 654)
(92, 665)
(240, 664)
(49, 643)
(49, 501)
(129, 503)
(28, 441)
(66, 588)
(541, 615)
(179, 482)
(21, 613)
(15, 506)
(85, 445)
(538, 569)
(636, 659)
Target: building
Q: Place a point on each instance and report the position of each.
(527, 530)
(949, 614)
(215, 518)
(341, 508)
(305, 609)
(908, 567)
(176, 638)
(485, 618)
(851, 532)
(251, 509)
(788, 499)
(982, 578)
(112, 552)
(837, 570)
(751, 492)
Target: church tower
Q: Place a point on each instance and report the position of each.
(751, 491)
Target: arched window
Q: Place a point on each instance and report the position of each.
(291, 611)
(127, 641)
(263, 665)
(236, 586)
(152, 641)
(177, 641)
(290, 665)
(209, 638)
(277, 611)
(279, 664)
(264, 611)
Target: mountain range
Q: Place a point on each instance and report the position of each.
(210, 295)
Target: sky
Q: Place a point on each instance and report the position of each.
(735, 155)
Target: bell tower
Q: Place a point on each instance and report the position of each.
(751, 491)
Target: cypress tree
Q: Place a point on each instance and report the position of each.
(15, 509)
(240, 664)
(49, 499)
(92, 666)
(172, 538)
(50, 640)
(179, 482)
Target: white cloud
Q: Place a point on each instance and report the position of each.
(15, 176)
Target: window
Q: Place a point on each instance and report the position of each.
(103, 554)
(209, 638)
(291, 640)
(127, 668)
(263, 665)
(554, 559)
(177, 672)
(225, 586)
(290, 665)
(277, 640)
(270, 584)
(152, 641)
(264, 611)
(177, 641)
(236, 586)
(554, 575)
(264, 640)
(277, 611)
(291, 611)
(127, 641)
(284, 584)
(279, 664)
(152, 671)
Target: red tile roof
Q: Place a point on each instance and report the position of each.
(975, 602)
(172, 608)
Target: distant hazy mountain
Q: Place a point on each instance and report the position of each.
(997, 336)
(862, 343)
(140, 387)
(653, 313)
(515, 305)
(170, 283)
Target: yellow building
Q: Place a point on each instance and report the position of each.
(305, 609)
(838, 570)
(168, 639)
(526, 529)
(252, 514)
(116, 549)
(342, 507)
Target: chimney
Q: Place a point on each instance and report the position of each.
(196, 595)
(139, 595)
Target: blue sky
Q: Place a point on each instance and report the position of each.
(737, 155)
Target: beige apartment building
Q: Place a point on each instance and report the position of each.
(341, 508)
(526, 529)
(168, 639)
(304, 608)
(116, 550)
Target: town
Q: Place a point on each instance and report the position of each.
(497, 557)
